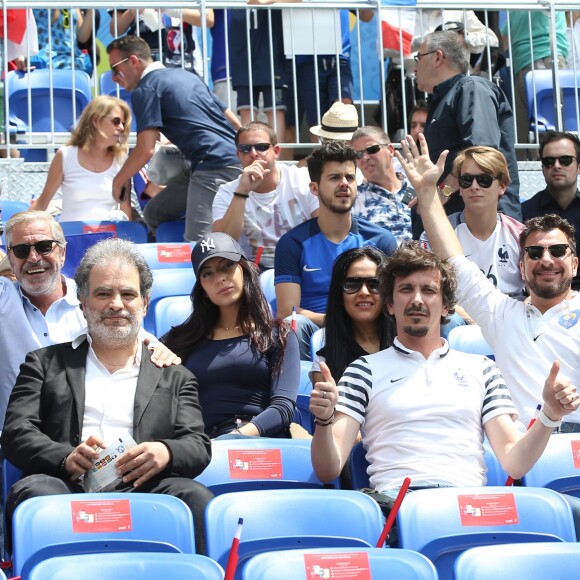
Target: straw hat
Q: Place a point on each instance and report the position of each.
(339, 122)
(4, 262)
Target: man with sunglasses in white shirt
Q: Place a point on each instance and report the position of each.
(560, 157)
(267, 200)
(526, 337)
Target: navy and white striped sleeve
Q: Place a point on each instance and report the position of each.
(354, 390)
(497, 399)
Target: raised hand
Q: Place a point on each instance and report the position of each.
(324, 395)
(560, 395)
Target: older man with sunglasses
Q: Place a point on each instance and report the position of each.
(560, 157)
(41, 307)
(526, 337)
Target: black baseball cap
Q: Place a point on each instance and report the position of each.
(216, 245)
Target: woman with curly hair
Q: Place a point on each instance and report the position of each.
(247, 364)
(84, 168)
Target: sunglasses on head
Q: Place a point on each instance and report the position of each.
(537, 252)
(42, 248)
(371, 150)
(483, 180)
(353, 285)
(116, 120)
(259, 147)
(564, 160)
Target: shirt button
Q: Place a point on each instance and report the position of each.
(35, 309)
(46, 334)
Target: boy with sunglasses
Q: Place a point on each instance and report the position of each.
(488, 238)
(526, 337)
(560, 157)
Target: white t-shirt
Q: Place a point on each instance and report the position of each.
(87, 195)
(498, 257)
(525, 342)
(423, 418)
(270, 215)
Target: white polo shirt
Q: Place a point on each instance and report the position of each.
(525, 342)
(423, 418)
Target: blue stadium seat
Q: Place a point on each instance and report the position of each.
(170, 255)
(9, 207)
(172, 231)
(282, 519)
(128, 566)
(71, 92)
(60, 525)
(468, 338)
(267, 283)
(559, 466)
(260, 463)
(519, 561)
(112, 89)
(317, 341)
(334, 562)
(76, 246)
(168, 282)
(10, 475)
(171, 311)
(442, 523)
(132, 231)
(544, 93)
(302, 414)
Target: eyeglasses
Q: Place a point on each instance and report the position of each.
(42, 248)
(353, 285)
(564, 160)
(259, 147)
(537, 252)
(114, 66)
(420, 55)
(116, 120)
(371, 150)
(483, 180)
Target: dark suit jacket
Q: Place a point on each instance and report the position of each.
(45, 412)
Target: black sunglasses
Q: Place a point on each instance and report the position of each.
(537, 252)
(564, 160)
(259, 147)
(116, 120)
(353, 285)
(483, 180)
(42, 248)
(372, 150)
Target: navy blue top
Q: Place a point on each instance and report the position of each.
(236, 380)
(180, 105)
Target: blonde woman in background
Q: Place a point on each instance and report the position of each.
(84, 169)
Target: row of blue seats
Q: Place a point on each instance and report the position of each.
(440, 524)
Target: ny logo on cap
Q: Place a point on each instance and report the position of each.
(207, 245)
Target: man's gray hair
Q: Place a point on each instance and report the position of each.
(25, 217)
(371, 131)
(453, 47)
(107, 251)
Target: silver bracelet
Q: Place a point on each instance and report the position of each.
(547, 422)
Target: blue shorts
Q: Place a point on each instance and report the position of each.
(244, 97)
(327, 86)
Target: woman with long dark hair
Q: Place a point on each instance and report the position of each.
(247, 363)
(356, 323)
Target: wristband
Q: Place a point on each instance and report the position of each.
(240, 194)
(324, 422)
(547, 422)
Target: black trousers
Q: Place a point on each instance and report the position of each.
(194, 494)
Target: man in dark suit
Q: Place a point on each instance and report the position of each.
(73, 399)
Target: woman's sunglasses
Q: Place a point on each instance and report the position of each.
(353, 285)
(483, 180)
(42, 248)
(537, 252)
(116, 120)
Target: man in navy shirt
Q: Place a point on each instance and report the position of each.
(305, 255)
(178, 104)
